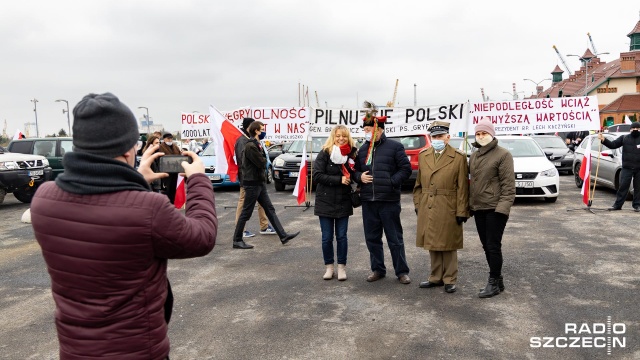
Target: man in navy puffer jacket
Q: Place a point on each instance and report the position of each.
(381, 172)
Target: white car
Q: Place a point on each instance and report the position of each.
(536, 176)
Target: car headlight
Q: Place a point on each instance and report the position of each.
(550, 173)
(278, 162)
(45, 162)
(8, 165)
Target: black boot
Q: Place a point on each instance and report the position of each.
(501, 283)
(491, 289)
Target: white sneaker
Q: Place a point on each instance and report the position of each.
(268, 231)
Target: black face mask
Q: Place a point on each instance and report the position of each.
(635, 133)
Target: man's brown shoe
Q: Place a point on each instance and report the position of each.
(375, 276)
(404, 279)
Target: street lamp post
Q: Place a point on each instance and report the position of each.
(537, 83)
(35, 111)
(66, 111)
(586, 61)
(148, 125)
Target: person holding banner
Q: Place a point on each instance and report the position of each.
(492, 191)
(441, 200)
(332, 171)
(382, 166)
(253, 181)
(630, 166)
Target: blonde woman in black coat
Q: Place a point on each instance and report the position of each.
(333, 172)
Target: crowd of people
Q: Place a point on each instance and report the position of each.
(114, 283)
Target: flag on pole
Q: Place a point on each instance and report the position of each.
(224, 135)
(627, 120)
(181, 193)
(18, 135)
(585, 172)
(301, 184)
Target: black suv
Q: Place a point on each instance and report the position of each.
(52, 148)
(21, 174)
(286, 167)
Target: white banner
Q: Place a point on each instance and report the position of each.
(194, 126)
(281, 123)
(401, 120)
(546, 115)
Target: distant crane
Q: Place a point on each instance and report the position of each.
(4, 130)
(562, 59)
(317, 101)
(27, 126)
(484, 97)
(592, 44)
(395, 93)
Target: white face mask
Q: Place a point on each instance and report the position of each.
(484, 140)
(367, 136)
(169, 143)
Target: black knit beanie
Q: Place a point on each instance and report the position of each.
(635, 125)
(102, 125)
(246, 122)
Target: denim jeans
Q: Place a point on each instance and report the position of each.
(625, 183)
(327, 226)
(379, 216)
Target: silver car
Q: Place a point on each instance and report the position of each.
(608, 164)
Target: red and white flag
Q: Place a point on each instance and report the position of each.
(224, 135)
(301, 184)
(585, 172)
(181, 193)
(18, 135)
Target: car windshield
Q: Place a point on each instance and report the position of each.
(554, 142)
(314, 145)
(411, 142)
(524, 147)
(209, 151)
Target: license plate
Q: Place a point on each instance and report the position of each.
(557, 163)
(215, 177)
(524, 184)
(36, 172)
(293, 174)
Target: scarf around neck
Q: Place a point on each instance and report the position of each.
(87, 174)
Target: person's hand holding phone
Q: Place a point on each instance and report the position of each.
(149, 156)
(196, 166)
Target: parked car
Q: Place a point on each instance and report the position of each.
(413, 144)
(208, 157)
(557, 151)
(607, 163)
(276, 150)
(286, 167)
(52, 148)
(535, 175)
(21, 174)
(618, 128)
(458, 143)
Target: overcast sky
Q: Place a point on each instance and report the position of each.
(181, 56)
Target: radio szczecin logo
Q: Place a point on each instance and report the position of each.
(584, 335)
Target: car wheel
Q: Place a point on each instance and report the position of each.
(3, 193)
(269, 175)
(576, 175)
(551, 199)
(24, 196)
(278, 185)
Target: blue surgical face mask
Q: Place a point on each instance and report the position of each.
(262, 135)
(438, 144)
(367, 136)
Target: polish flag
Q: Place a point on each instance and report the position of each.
(585, 172)
(18, 135)
(627, 120)
(181, 193)
(224, 135)
(301, 183)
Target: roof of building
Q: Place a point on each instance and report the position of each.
(635, 30)
(625, 103)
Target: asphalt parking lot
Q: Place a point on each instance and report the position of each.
(560, 268)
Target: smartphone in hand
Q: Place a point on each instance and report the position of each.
(172, 163)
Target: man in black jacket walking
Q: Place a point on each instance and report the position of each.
(630, 166)
(381, 168)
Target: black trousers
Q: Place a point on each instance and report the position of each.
(253, 194)
(626, 176)
(490, 225)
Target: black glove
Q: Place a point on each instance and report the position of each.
(416, 211)
(461, 219)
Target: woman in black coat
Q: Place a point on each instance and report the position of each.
(333, 173)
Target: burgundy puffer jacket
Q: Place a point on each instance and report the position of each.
(107, 258)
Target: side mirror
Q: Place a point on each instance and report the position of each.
(572, 147)
(549, 155)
